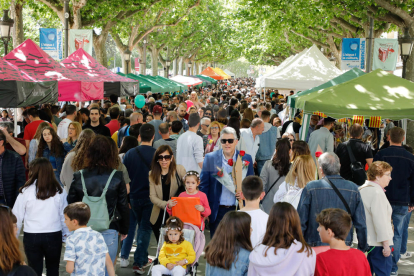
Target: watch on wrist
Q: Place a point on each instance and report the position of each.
(186, 262)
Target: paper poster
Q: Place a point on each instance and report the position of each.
(385, 54)
(353, 53)
(80, 39)
(51, 42)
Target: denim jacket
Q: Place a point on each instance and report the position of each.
(319, 195)
(59, 159)
(267, 143)
(238, 268)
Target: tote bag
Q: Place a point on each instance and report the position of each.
(186, 211)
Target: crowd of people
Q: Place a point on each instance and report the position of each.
(103, 175)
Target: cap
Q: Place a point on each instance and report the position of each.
(157, 109)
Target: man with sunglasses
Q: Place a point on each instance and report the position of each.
(205, 123)
(220, 199)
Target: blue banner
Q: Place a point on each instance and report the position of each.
(51, 42)
(353, 53)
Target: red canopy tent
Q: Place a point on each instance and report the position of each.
(189, 81)
(209, 72)
(37, 64)
(85, 66)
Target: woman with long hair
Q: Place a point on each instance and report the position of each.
(196, 102)
(5, 116)
(40, 206)
(229, 249)
(213, 135)
(274, 172)
(75, 159)
(165, 177)
(283, 251)
(299, 148)
(34, 143)
(74, 130)
(129, 142)
(222, 117)
(302, 172)
(248, 114)
(51, 147)
(100, 167)
(11, 259)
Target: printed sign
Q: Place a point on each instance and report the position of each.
(137, 65)
(385, 54)
(80, 39)
(353, 53)
(51, 42)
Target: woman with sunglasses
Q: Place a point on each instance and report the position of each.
(11, 259)
(210, 140)
(165, 177)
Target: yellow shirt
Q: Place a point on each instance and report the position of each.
(172, 253)
(115, 137)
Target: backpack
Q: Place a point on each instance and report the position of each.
(99, 220)
(358, 171)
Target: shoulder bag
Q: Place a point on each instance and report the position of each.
(271, 188)
(358, 171)
(181, 186)
(339, 195)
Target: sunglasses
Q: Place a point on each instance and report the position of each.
(292, 140)
(165, 157)
(214, 127)
(206, 125)
(208, 114)
(223, 141)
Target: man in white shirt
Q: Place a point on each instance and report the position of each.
(62, 130)
(251, 137)
(190, 146)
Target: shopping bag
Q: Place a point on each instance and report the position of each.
(186, 211)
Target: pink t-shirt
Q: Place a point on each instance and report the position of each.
(203, 202)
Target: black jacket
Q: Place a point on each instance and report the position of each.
(13, 176)
(116, 196)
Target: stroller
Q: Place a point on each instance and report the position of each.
(192, 234)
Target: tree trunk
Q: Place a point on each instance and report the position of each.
(196, 65)
(99, 42)
(17, 15)
(180, 66)
(154, 61)
(409, 73)
(175, 67)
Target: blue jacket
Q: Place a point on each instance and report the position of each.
(319, 195)
(13, 176)
(400, 190)
(59, 159)
(208, 182)
(238, 268)
(267, 144)
(121, 134)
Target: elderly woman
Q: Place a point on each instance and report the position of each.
(165, 177)
(210, 140)
(378, 213)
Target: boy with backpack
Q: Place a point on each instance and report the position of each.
(86, 251)
(334, 225)
(252, 189)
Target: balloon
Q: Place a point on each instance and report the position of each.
(139, 101)
(271, 94)
(189, 104)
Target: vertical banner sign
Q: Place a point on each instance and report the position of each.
(80, 39)
(353, 53)
(51, 42)
(137, 65)
(385, 54)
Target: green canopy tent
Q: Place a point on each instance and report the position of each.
(378, 93)
(169, 86)
(156, 86)
(349, 75)
(205, 82)
(143, 88)
(213, 81)
(180, 87)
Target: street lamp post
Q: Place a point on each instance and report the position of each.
(168, 63)
(406, 45)
(189, 68)
(6, 23)
(127, 57)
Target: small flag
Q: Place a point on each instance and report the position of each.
(358, 120)
(320, 114)
(343, 120)
(375, 121)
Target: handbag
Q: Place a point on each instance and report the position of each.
(358, 171)
(271, 188)
(339, 195)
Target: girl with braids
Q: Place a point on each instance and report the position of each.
(52, 149)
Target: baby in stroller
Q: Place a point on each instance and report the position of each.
(176, 253)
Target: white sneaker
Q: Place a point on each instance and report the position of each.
(124, 262)
(406, 255)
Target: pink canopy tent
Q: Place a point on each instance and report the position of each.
(189, 81)
(84, 65)
(37, 64)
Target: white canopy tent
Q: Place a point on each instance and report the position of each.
(277, 69)
(309, 69)
(228, 72)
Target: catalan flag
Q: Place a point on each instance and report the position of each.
(358, 120)
(320, 114)
(343, 120)
(375, 121)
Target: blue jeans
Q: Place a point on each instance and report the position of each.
(142, 209)
(127, 243)
(398, 215)
(220, 214)
(378, 263)
(405, 233)
(111, 239)
(260, 164)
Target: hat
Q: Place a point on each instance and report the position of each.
(157, 109)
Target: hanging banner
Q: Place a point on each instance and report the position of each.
(353, 53)
(385, 54)
(80, 39)
(137, 65)
(51, 42)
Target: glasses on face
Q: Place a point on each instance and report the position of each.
(165, 157)
(208, 114)
(292, 140)
(387, 174)
(214, 128)
(72, 128)
(224, 141)
(206, 125)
